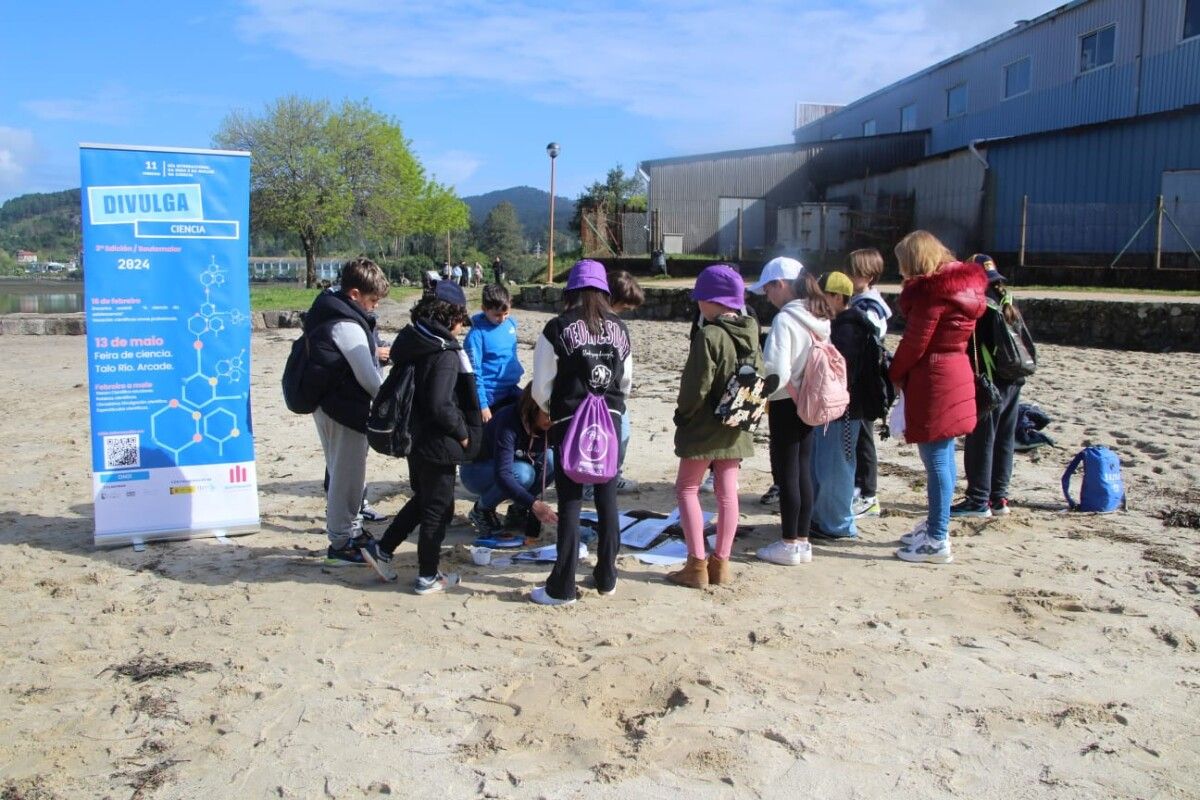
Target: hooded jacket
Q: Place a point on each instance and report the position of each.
(717, 349)
(871, 303)
(851, 331)
(347, 398)
(785, 352)
(445, 402)
(930, 364)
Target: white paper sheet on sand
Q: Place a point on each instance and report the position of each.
(672, 551)
(641, 533)
(545, 553)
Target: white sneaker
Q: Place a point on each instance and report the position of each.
(929, 551)
(582, 551)
(789, 554)
(540, 597)
(865, 506)
(706, 487)
(627, 486)
(916, 534)
(371, 514)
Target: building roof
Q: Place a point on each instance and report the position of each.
(1021, 28)
(779, 148)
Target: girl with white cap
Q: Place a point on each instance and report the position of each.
(804, 312)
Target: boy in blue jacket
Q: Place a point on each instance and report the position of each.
(492, 347)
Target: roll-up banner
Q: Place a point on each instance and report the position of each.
(167, 301)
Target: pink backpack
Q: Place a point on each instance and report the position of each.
(822, 396)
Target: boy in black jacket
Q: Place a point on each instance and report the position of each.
(447, 425)
(340, 329)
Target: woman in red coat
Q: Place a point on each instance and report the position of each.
(941, 300)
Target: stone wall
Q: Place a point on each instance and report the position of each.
(74, 324)
(1147, 326)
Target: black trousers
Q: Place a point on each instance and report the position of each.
(430, 508)
(866, 468)
(988, 451)
(561, 583)
(791, 464)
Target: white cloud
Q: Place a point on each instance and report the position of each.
(452, 167)
(112, 105)
(18, 149)
(736, 69)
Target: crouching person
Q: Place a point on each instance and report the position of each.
(513, 464)
(447, 430)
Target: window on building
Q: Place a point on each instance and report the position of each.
(1191, 19)
(1016, 78)
(956, 101)
(1096, 48)
(869, 128)
(908, 118)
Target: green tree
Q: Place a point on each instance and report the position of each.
(322, 172)
(613, 194)
(502, 232)
(9, 265)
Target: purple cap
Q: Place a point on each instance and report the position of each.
(451, 292)
(721, 284)
(588, 274)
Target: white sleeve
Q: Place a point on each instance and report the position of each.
(627, 375)
(545, 368)
(778, 355)
(351, 340)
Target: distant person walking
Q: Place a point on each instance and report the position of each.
(498, 271)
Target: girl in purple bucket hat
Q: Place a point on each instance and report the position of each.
(726, 340)
(584, 350)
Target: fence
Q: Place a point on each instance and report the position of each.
(1162, 234)
(614, 234)
(292, 269)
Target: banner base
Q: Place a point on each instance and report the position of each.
(139, 540)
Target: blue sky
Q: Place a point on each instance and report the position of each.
(479, 88)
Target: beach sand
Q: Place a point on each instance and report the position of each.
(1056, 657)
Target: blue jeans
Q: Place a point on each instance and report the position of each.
(940, 474)
(479, 478)
(833, 462)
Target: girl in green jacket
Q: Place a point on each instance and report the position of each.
(727, 339)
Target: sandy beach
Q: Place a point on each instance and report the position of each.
(1056, 657)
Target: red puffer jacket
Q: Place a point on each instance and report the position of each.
(931, 363)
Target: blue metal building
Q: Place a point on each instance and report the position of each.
(1085, 62)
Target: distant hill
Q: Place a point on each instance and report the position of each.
(47, 224)
(532, 205)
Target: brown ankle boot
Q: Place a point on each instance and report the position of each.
(693, 574)
(718, 571)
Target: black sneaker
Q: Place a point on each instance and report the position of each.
(533, 527)
(350, 555)
(770, 496)
(968, 509)
(484, 520)
(517, 517)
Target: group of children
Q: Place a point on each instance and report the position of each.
(475, 418)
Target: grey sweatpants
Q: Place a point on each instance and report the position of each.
(346, 462)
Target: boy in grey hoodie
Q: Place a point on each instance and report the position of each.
(864, 268)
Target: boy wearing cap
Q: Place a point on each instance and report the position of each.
(833, 454)
(725, 339)
(340, 328)
(447, 431)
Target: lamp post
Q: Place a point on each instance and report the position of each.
(552, 151)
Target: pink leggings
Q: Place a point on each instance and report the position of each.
(687, 488)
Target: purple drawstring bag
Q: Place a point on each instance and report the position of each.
(589, 448)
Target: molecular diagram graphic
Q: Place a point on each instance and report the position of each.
(203, 409)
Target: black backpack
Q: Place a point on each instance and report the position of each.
(391, 422)
(1015, 356)
(874, 386)
(304, 383)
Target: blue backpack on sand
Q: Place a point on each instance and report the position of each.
(1103, 488)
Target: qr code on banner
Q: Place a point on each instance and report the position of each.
(122, 452)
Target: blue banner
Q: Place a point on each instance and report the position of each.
(167, 302)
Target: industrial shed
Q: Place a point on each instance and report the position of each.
(697, 199)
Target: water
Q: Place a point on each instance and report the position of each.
(41, 297)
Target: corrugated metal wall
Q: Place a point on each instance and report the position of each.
(1088, 189)
(1152, 71)
(947, 193)
(686, 192)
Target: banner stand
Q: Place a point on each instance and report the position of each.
(167, 304)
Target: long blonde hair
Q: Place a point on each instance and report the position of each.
(921, 253)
